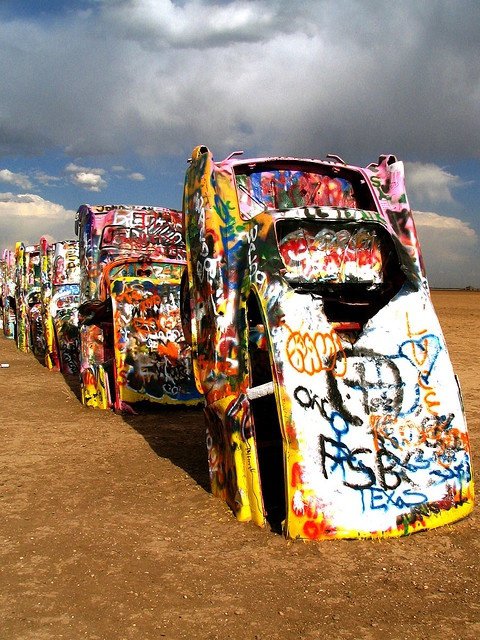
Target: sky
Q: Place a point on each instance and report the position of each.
(103, 101)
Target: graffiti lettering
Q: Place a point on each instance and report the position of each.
(383, 499)
(346, 460)
(425, 350)
(387, 470)
(459, 472)
(255, 274)
(309, 400)
(312, 353)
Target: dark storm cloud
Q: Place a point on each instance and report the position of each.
(156, 77)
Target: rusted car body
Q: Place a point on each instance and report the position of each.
(60, 289)
(132, 344)
(7, 293)
(332, 407)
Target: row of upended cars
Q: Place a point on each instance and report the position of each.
(290, 298)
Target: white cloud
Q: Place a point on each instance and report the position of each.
(29, 205)
(27, 217)
(451, 250)
(136, 176)
(164, 23)
(16, 179)
(427, 182)
(45, 179)
(88, 179)
(447, 224)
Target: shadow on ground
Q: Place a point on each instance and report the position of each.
(176, 433)
(73, 381)
(173, 432)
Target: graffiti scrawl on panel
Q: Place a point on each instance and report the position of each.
(132, 344)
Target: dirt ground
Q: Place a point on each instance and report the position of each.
(108, 531)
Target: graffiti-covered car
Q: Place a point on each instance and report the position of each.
(332, 408)
(29, 329)
(64, 303)
(132, 344)
(60, 288)
(7, 283)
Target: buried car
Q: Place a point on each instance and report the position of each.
(28, 323)
(46, 253)
(132, 344)
(7, 293)
(60, 278)
(332, 408)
